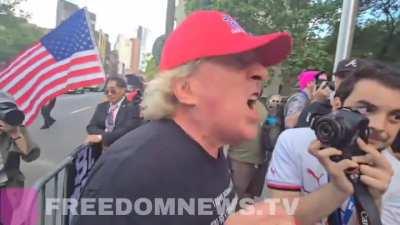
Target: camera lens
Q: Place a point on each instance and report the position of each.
(326, 131)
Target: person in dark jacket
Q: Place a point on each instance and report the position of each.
(15, 143)
(113, 118)
(46, 111)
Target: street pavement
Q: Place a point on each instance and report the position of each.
(72, 113)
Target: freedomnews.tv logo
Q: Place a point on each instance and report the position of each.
(167, 206)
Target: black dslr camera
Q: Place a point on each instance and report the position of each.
(340, 129)
(10, 114)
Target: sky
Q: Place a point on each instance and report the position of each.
(113, 16)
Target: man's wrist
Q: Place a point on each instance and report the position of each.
(340, 191)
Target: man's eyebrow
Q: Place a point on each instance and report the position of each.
(395, 112)
(366, 103)
(370, 105)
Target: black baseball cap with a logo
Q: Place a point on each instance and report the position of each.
(347, 67)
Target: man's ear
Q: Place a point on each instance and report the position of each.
(181, 87)
(337, 103)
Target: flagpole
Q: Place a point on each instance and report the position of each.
(93, 39)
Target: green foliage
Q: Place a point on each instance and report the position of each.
(306, 20)
(10, 7)
(16, 34)
(151, 67)
(314, 25)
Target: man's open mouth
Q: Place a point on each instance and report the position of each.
(251, 102)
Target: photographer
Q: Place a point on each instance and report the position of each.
(15, 143)
(309, 92)
(344, 69)
(301, 164)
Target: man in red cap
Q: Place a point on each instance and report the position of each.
(172, 170)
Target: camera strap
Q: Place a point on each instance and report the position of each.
(362, 200)
(368, 212)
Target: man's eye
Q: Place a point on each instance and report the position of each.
(240, 62)
(362, 110)
(396, 117)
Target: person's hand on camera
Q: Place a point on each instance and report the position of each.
(322, 92)
(13, 131)
(375, 170)
(336, 170)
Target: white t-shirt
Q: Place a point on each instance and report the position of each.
(293, 168)
(391, 199)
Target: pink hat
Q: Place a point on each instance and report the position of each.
(306, 77)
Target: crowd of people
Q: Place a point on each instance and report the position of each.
(201, 132)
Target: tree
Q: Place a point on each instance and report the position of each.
(377, 32)
(151, 67)
(16, 33)
(384, 17)
(10, 7)
(314, 25)
(308, 21)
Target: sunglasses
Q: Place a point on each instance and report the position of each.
(111, 91)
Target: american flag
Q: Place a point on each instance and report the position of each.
(66, 58)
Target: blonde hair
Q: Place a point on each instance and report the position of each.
(159, 101)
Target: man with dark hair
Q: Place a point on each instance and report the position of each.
(347, 67)
(301, 165)
(344, 69)
(135, 87)
(113, 118)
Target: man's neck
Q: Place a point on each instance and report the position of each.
(198, 133)
(307, 92)
(118, 102)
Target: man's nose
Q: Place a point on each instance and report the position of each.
(378, 121)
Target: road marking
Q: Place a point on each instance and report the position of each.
(81, 109)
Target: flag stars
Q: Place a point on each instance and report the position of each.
(69, 38)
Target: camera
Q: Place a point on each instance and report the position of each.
(340, 129)
(10, 114)
(325, 83)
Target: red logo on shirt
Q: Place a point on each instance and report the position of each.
(315, 176)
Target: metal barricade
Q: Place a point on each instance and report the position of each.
(53, 179)
(54, 182)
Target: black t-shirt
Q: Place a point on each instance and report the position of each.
(167, 177)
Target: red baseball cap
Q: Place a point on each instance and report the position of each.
(207, 33)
